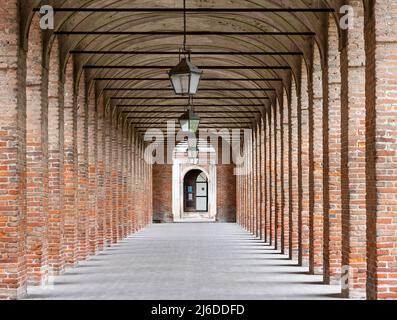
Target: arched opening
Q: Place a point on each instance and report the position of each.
(195, 191)
(189, 200)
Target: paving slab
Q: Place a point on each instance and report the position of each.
(189, 261)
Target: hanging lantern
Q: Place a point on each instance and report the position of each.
(185, 78)
(189, 121)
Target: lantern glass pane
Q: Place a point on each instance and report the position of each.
(194, 82)
(184, 125)
(194, 124)
(180, 83)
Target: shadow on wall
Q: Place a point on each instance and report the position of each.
(226, 214)
(163, 217)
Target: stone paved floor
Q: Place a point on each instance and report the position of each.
(188, 261)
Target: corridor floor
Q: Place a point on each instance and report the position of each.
(188, 261)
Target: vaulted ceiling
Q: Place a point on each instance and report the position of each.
(249, 51)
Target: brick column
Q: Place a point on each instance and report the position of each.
(141, 185)
(119, 171)
(108, 177)
(270, 210)
(294, 196)
(56, 219)
(254, 183)
(133, 189)
(275, 175)
(93, 173)
(36, 158)
(249, 185)
(332, 218)
(263, 178)
(307, 170)
(70, 168)
(114, 184)
(260, 178)
(317, 163)
(130, 198)
(353, 155)
(12, 156)
(125, 179)
(136, 178)
(101, 193)
(82, 189)
(280, 175)
(137, 182)
(286, 173)
(381, 146)
(245, 187)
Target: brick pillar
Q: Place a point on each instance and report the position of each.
(36, 158)
(82, 190)
(150, 194)
(317, 168)
(245, 186)
(114, 186)
(332, 218)
(101, 193)
(93, 173)
(138, 184)
(12, 156)
(254, 183)
(286, 172)
(280, 177)
(125, 179)
(130, 227)
(260, 177)
(70, 168)
(307, 171)
(353, 155)
(135, 186)
(56, 219)
(275, 175)
(269, 144)
(294, 196)
(142, 184)
(120, 199)
(381, 143)
(108, 177)
(263, 178)
(249, 185)
(133, 173)
(258, 181)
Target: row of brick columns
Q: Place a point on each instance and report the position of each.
(72, 171)
(324, 160)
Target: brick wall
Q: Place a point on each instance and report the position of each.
(226, 193)
(162, 193)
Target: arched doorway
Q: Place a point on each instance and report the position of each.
(194, 203)
(195, 191)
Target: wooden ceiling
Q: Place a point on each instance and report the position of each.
(249, 52)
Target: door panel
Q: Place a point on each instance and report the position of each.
(201, 204)
(195, 192)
